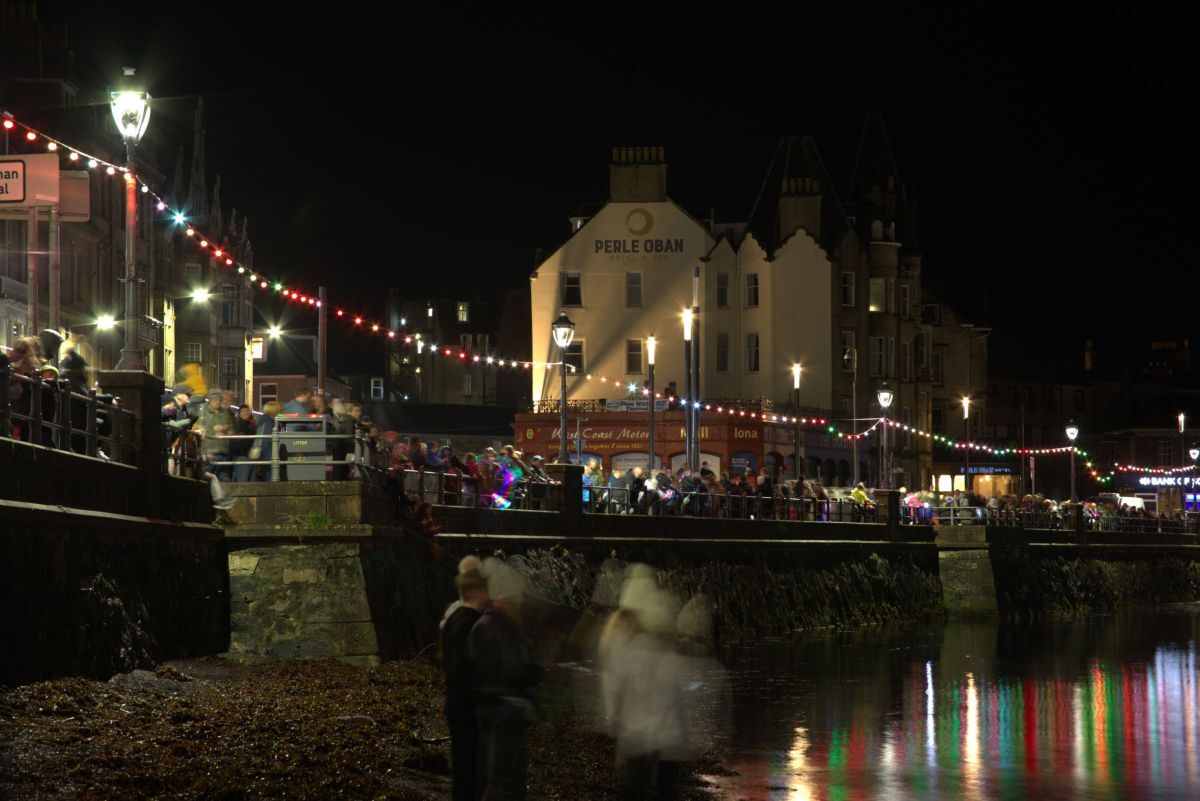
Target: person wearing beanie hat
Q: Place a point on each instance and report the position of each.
(507, 676)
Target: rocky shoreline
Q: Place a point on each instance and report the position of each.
(217, 730)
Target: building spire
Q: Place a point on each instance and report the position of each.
(197, 198)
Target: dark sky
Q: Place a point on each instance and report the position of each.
(371, 147)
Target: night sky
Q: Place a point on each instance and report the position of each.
(1046, 153)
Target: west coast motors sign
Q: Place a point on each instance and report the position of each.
(640, 244)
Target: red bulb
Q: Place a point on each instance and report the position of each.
(229, 262)
(203, 243)
(447, 351)
(218, 253)
(340, 312)
(31, 136)
(462, 355)
(311, 301)
(358, 321)
(391, 334)
(8, 125)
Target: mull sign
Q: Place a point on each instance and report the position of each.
(29, 180)
(12, 181)
(638, 222)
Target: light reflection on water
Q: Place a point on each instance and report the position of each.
(1104, 709)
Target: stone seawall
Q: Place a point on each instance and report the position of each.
(1038, 581)
(87, 593)
(354, 592)
(757, 588)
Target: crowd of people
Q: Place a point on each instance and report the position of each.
(662, 698)
(45, 386)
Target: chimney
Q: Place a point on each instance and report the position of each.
(800, 207)
(638, 175)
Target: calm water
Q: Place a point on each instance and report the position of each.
(1103, 709)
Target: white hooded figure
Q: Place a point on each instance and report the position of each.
(643, 683)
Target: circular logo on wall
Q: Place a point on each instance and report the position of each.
(529, 433)
(639, 222)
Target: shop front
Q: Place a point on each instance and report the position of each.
(620, 440)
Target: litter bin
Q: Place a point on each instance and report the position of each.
(302, 450)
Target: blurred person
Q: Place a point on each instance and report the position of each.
(462, 676)
(239, 449)
(215, 423)
(507, 675)
(261, 450)
(342, 448)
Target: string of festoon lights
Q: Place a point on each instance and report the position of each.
(228, 258)
(1133, 468)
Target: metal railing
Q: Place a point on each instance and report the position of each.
(190, 452)
(50, 414)
(1060, 519)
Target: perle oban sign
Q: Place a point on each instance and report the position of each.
(12, 181)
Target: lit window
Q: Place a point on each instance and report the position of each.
(376, 389)
(464, 312)
(258, 349)
(878, 299)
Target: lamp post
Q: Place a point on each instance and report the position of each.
(1182, 420)
(796, 368)
(564, 331)
(650, 343)
(689, 390)
(131, 112)
(850, 357)
(966, 404)
(1072, 433)
(884, 396)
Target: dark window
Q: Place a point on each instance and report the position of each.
(751, 353)
(752, 289)
(722, 353)
(572, 289)
(937, 420)
(633, 356)
(1079, 400)
(633, 289)
(573, 355)
(722, 290)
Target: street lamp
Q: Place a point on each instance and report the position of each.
(1194, 452)
(1072, 433)
(1182, 419)
(131, 113)
(200, 294)
(884, 396)
(106, 322)
(564, 331)
(275, 332)
(966, 404)
(650, 345)
(796, 369)
(850, 359)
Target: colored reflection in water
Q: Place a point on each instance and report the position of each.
(1106, 709)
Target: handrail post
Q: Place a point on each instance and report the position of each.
(5, 402)
(275, 450)
(62, 416)
(93, 439)
(35, 411)
(118, 429)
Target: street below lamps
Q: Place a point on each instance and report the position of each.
(1072, 433)
(131, 113)
(884, 396)
(564, 332)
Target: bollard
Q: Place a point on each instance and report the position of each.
(566, 497)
